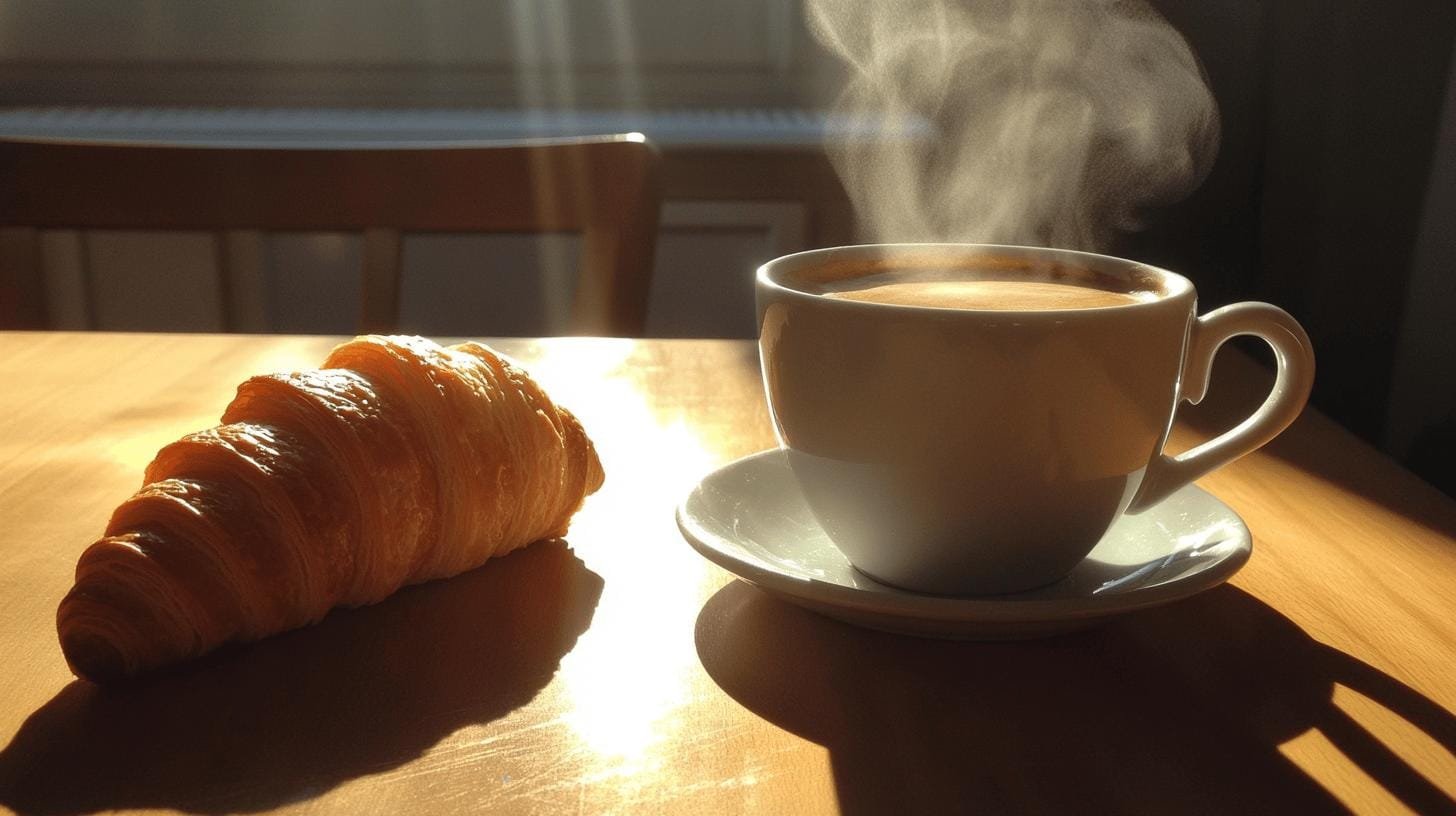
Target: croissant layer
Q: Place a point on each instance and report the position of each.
(399, 461)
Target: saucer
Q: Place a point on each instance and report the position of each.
(750, 518)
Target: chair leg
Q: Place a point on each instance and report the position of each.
(383, 258)
(22, 290)
(240, 269)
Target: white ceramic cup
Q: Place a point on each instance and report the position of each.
(969, 451)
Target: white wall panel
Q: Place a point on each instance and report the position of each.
(140, 280)
(488, 285)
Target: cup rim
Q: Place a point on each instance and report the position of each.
(1173, 285)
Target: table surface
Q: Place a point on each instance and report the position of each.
(621, 672)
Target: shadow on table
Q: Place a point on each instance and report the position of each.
(1177, 711)
(291, 717)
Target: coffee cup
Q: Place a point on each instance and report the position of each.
(971, 419)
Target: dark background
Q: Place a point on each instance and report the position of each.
(1321, 201)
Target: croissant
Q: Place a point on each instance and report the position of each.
(398, 462)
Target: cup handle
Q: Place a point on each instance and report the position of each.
(1294, 356)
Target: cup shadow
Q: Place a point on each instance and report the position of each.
(293, 716)
(1181, 710)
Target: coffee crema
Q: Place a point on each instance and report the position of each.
(949, 292)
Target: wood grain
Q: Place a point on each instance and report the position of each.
(619, 672)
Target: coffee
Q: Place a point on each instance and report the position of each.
(947, 291)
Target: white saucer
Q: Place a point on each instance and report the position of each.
(749, 518)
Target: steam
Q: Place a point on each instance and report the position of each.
(1053, 122)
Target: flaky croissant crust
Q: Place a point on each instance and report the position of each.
(399, 461)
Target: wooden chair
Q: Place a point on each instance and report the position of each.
(603, 187)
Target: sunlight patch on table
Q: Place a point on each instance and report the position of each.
(624, 688)
(1412, 744)
(1347, 782)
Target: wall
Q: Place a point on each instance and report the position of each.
(540, 53)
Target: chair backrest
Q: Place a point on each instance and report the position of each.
(606, 188)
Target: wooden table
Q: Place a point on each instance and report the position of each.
(625, 674)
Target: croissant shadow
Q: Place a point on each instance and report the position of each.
(1176, 710)
(293, 716)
